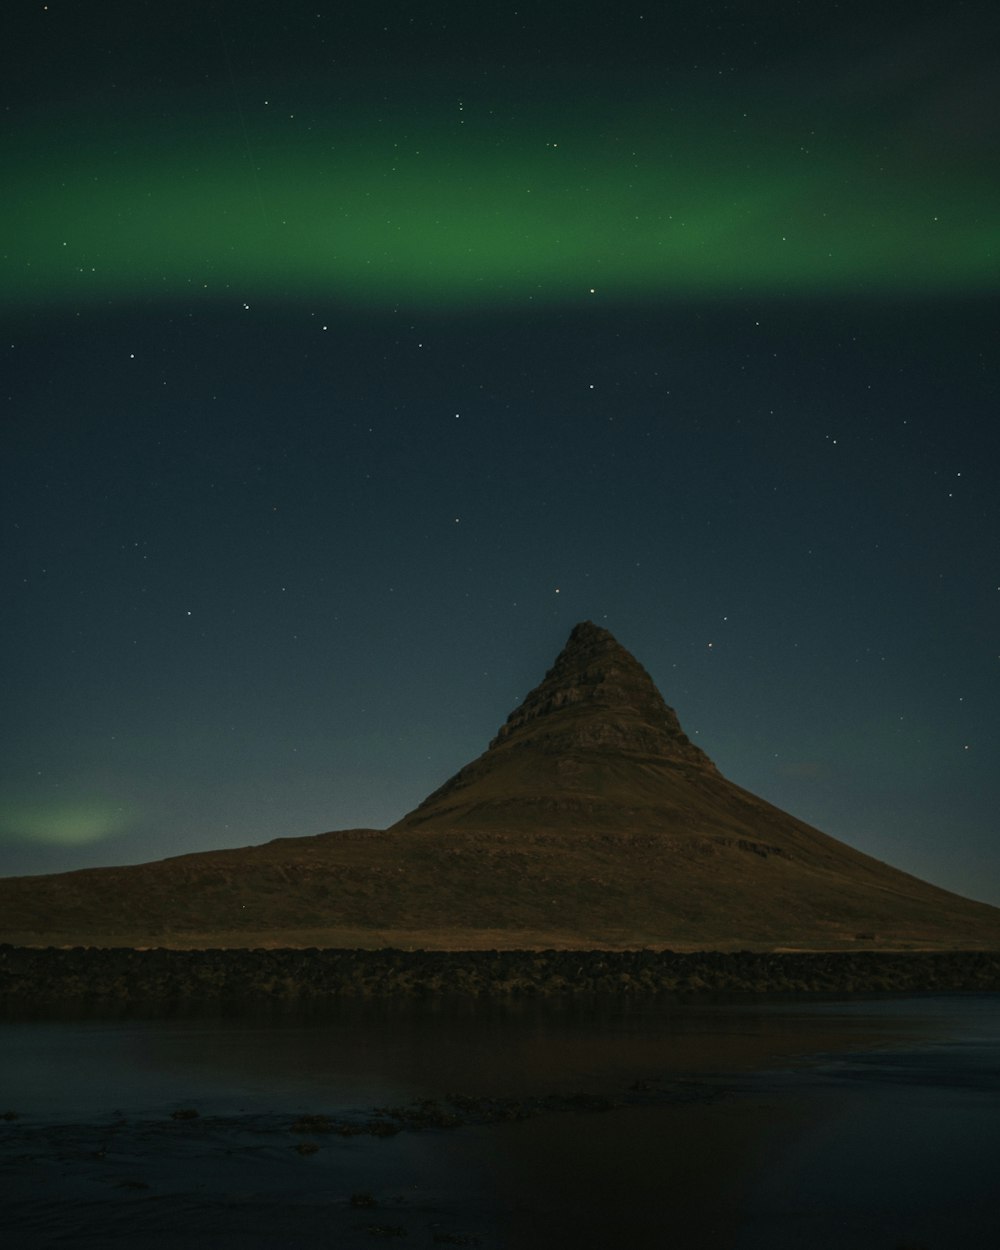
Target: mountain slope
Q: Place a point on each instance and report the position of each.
(591, 820)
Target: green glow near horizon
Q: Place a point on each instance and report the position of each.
(63, 824)
(462, 219)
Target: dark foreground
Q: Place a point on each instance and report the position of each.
(99, 978)
(707, 1122)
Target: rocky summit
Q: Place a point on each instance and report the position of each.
(594, 742)
(591, 821)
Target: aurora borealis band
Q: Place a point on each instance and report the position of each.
(460, 203)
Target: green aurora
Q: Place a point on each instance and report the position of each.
(441, 207)
(64, 823)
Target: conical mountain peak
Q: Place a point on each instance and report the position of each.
(593, 739)
(598, 696)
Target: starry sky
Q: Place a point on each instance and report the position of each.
(353, 353)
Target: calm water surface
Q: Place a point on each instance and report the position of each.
(737, 1125)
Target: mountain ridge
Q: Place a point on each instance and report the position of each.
(590, 821)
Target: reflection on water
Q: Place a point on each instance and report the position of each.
(364, 1051)
(869, 1123)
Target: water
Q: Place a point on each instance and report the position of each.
(732, 1125)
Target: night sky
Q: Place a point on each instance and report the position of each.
(353, 353)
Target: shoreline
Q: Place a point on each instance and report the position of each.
(95, 979)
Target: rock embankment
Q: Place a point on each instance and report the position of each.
(91, 978)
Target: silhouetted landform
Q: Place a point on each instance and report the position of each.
(156, 980)
(590, 821)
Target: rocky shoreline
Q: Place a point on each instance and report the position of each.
(96, 979)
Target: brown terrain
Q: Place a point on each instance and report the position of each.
(591, 821)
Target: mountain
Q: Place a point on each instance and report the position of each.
(590, 821)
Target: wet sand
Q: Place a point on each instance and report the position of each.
(503, 1172)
